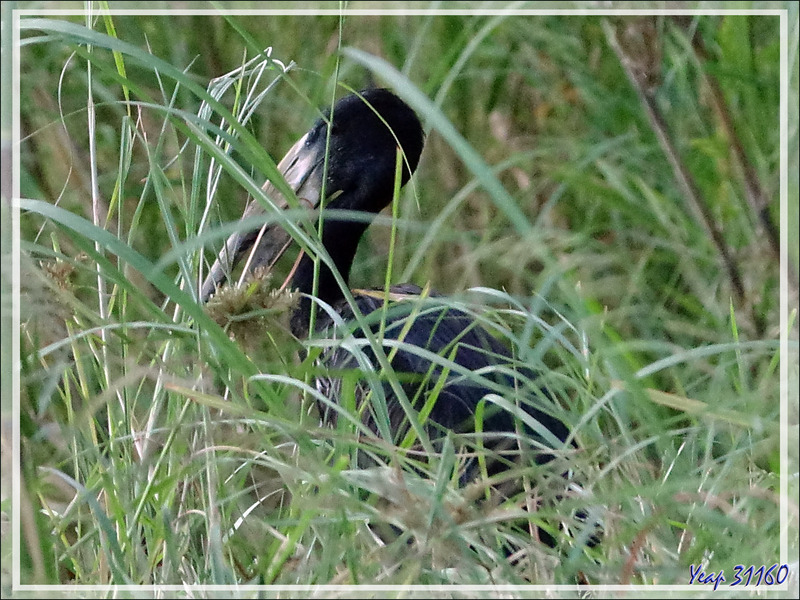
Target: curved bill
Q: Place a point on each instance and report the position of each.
(262, 247)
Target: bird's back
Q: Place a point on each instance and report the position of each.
(463, 378)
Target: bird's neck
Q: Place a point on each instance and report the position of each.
(340, 239)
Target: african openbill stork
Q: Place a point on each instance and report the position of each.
(355, 146)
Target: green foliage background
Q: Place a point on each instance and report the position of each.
(543, 178)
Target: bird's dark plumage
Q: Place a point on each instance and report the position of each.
(361, 148)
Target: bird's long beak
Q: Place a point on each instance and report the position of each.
(302, 169)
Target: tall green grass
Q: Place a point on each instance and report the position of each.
(162, 444)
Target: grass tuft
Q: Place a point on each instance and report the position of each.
(574, 167)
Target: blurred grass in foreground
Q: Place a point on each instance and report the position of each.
(155, 450)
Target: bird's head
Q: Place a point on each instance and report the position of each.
(366, 132)
(354, 147)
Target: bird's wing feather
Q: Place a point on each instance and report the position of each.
(486, 365)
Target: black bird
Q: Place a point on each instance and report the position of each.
(361, 137)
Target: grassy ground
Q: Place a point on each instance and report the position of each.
(610, 183)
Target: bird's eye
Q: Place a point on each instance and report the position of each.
(312, 135)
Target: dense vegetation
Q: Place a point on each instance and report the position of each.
(603, 190)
